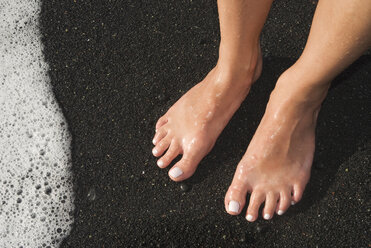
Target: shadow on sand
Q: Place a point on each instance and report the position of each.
(340, 131)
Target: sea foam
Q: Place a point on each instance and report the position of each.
(36, 199)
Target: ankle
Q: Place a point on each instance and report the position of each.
(301, 89)
(242, 62)
(242, 72)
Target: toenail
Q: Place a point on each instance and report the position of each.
(160, 163)
(267, 216)
(175, 172)
(233, 206)
(292, 203)
(249, 217)
(154, 141)
(154, 151)
(280, 212)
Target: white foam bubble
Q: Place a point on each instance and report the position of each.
(36, 197)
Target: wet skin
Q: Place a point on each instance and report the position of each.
(276, 166)
(192, 125)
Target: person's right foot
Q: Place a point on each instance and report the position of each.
(192, 125)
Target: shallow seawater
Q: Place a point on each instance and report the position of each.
(36, 199)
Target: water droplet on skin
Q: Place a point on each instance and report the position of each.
(209, 115)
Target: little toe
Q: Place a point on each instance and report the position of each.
(185, 167)
(171, 153)
(161, 146)
(161, 122)
(256, 199)
(284, 202)
(235, 198)
(270, 205)
(297, 193)
(160, 134)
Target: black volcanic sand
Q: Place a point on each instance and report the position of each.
(117, 66)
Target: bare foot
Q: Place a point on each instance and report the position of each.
(192, 125)
(276, 166)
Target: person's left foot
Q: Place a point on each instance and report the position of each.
(276, 166)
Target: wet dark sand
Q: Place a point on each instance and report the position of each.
(116, 67)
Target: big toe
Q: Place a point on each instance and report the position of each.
(184, 168)
(235, 197)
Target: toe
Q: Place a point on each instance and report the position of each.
(161, 122)
(284, 202)
(171, 153)
(235, 197)
(160, 134)
(161, 146)
(185, 167)
(256, 199)
(297, 194)
(270, 205)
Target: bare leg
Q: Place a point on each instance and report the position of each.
(276, 166)
(192, 125)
